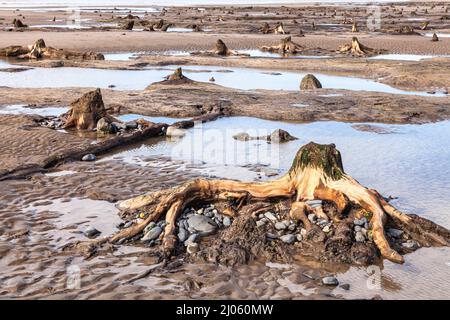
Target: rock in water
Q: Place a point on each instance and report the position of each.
(91, 232)
(89, 157)
(330, 281)
(202, 224)
(152, 234)
(280, 135)
(310, 82)
(103, 125)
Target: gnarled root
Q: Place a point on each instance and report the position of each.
(356, 48)
(316, 173)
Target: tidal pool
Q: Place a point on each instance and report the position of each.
(238, 78)
(23, 109)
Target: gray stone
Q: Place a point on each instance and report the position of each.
(260, 223)
(261, 216)
(89, 157)
(292, 227)
(299, 237)
(360, 237)
(280, 226)
(152, 234)
(312, 217)
(271, 235)
(270, 216)
(131, 125)
(288, 238)
(104, 126)
(314, 203)
(149, 227)
(119, 126)
(192, 238)
(411, 244)
(357, 228)
(226, 221)
(128, 224)
(345, 286)
(326, 229)
(330, 281)
(303, 232)
(358, 222)
(91, 232)
(202, 224)
(192, 247)
(182, 234)
(396, 233)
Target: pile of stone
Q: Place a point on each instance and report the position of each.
(119, 128)
(282, 228)
(361, 230)
(192, 225)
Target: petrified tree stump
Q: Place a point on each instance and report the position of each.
(356, 48)
(286, 46)
(316, 173)
(86, 111)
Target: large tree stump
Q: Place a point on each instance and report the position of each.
(39, 50)
(286, 46)
(310, 82)
(316, 173)
(86, 112)
(356, 48)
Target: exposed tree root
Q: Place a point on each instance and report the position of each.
(356, 48)
(286, 46)
(39, 50)
(316, 173)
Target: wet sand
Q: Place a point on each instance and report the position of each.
(46, 206)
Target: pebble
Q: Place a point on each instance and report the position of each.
(280, 226)
(128, 224)
(292, 227)
(411, 244)
(89, 157)
(226, 221)
(202, 224)
(330, 281)
(312, 217)
(326, 229)
(149, 227)
(303, 232)
(396, 233)
(271, 235)
(345, 286)
(260, 223)
(182, 234)
(131, 125)
(153, 234)
(192, 247)
(200, 211)
(360, 237)
(91, 232)
(270, 216)
(357, 228)
(314, 203)
(288, 238)
(358, 222)
(192, 238)
(299, 237)
(261, 216)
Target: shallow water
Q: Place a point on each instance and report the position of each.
(410, 163)
(403, 57)
(440, 35)
(238, 78)
(121, 56)
(22, 109)
(132, 116)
